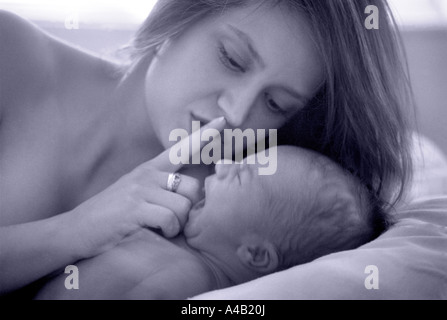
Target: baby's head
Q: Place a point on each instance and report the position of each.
(253, 225)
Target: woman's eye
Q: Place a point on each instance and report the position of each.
(229, 61)
(272, 105)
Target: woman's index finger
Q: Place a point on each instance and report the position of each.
(164, 161)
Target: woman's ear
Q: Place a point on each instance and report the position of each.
(259, 255)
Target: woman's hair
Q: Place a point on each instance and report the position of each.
(359, 116)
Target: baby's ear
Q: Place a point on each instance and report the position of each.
(259, 255)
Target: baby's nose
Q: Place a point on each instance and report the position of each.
(225, 168)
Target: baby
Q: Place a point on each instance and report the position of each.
(249, 226)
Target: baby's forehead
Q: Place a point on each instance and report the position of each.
(296, 168)
(294, 162)
(310, 170)
(289, 171)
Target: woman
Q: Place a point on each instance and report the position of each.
(76, 132)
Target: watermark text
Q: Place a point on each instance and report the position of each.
(231, 146)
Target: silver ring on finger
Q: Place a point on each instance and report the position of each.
(173, 182)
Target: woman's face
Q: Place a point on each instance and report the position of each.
(255, 66)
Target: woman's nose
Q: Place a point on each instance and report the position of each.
(236, 105)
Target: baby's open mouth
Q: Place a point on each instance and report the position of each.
(193, 213)
(199, 205)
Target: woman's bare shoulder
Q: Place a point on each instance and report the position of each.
(25, 61)
(25, 48)
(33, 62)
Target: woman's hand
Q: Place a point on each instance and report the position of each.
(137, 200)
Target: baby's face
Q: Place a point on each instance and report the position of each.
(235, 204)
(232, 206)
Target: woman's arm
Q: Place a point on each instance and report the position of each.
(139, 199)
(32, 250)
